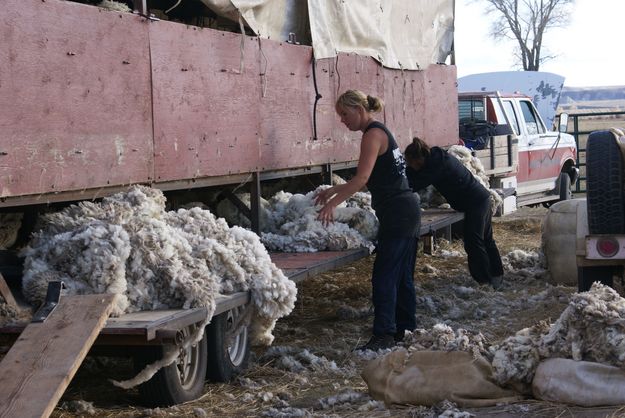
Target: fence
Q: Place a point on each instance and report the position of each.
(583, 125)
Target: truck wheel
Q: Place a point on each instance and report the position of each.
(181, 381)
(604, 184)
(564, 181)
(586, 276)
(228, 344)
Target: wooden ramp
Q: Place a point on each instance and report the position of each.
(38, 368)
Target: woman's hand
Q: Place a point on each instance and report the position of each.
(326, 214)
(322, 197)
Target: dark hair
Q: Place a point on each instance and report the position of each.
(417, 150)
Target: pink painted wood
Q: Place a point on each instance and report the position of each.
(75, 109)
(207, 94)
(91, 99)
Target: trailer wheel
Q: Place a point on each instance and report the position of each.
(228, 344)
(564, 182)
(181, 381)
(586, 276)
(604, 184)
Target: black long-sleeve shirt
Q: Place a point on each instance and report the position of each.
(452, 180)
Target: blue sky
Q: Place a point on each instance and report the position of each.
(589, 52)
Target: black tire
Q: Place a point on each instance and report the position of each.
(586, 276)
(228, 344)
(564, 183)
(179, 382)
(604, 183)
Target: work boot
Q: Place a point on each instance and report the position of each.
(496, 282)
(399, 336)
(378, 342)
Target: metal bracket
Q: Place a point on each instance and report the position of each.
(53, 296)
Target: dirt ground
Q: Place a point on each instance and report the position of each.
(311, 370)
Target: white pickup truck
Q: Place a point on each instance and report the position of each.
(521, 154)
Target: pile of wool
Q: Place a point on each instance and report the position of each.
(10, 224)
(591, 328)
(475, 166)
(296, 228)
(129, 245)
(442, 337)
(114, 6)
(228, 210)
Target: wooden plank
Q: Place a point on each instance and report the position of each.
(6, 294)
(43, 360)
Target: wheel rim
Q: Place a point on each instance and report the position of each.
(238, 345)
(188, 363)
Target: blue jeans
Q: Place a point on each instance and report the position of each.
(394, 299)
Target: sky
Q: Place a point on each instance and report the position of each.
(589, 52)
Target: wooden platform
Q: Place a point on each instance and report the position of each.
(157, 327)
(45, 357)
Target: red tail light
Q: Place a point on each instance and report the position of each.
(607, 247)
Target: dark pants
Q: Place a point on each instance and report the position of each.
(482, 253)
(394, 299)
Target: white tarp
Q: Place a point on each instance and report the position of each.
(398, 33)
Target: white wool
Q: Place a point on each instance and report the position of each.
(442, 337)
(287, 412)
(298, 230)
(591, 328)
(129, 245)
(475, 166)
(347, 397)
(227, 210)
(114, 6)
(296, 360)
(519, 259)
(79, 406)
(10, 224)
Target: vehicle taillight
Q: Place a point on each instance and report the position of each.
(607, 247)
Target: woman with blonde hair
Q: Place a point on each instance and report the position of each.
(381, 167)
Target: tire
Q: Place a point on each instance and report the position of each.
(564, 183)
(228, 345)
(586, 276)
(179, 382)
(604, 182)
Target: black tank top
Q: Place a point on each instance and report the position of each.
(396, 206)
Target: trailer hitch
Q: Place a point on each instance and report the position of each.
(53, 296)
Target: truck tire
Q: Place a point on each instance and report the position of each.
(228, 345)
(604, 183)
(586, 276)
(564, 182)
(177, 383)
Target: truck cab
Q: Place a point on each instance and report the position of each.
(545, 166)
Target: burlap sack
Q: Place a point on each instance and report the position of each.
(429, 377)
(581, 383)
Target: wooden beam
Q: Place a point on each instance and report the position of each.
(6, 294)
(38, 368)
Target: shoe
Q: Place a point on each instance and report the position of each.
(378, 342)
(496, 282)
(399, 336)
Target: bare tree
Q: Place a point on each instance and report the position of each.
(526, 21)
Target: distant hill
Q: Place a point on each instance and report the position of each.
(592, 98)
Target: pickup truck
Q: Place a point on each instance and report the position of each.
(519, 152)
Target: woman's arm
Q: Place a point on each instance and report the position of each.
(371, 146)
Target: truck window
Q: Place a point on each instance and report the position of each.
(471, 109)
(512, 117)
(533, 123)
